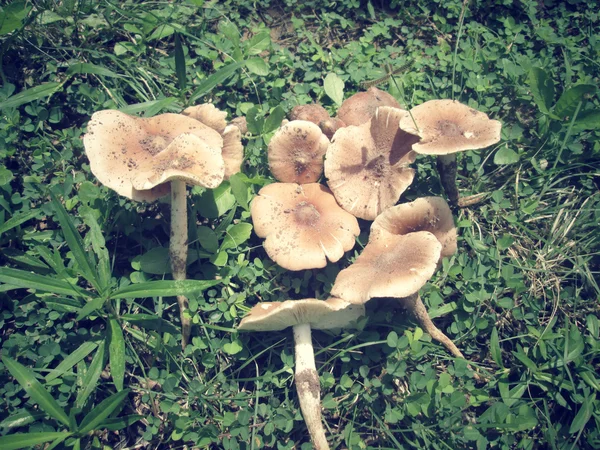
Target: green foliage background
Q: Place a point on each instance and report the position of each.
(520, 297)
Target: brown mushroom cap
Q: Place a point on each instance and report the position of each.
(312, 113)
(367, 166)
(296, 152)
(209, 115)
(133, 156)
(359, 108)
(330, 126)
(233, 150)
(241, 123)
(391, 266)
(303, 225)
(321, 315)
(447, 126)
(424, 214)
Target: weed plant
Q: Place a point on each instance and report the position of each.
(88, 310)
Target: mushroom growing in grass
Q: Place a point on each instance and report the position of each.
(367, 165)
(296, 152)
(319, 116)
(447, 127)
(426, 214)
(359, 108)
(304, 315)
(303, 226)
(141, 158)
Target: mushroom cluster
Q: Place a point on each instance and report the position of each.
(367, 151)
(146, 158)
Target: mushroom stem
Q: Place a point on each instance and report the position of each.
(308, 386)
(178, 250)
(418, 309)
(446, 166)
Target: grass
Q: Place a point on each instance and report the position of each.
(520, 297)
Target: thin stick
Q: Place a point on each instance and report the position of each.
(178, 250)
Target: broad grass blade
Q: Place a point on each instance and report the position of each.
(101, 411)
(542, 89)
(85, 260)
(215, 79)
(116, 353)
(20, 419)
(17, 220)
(166, 288)
(36, 391)
(92, 375)
(180, 64)
(28, 280)
(22, 440)
(30, 95)
(84, 349)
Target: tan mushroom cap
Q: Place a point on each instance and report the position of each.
(330, 126)
(209, 115)
(359, 108)
(391, 266)
(241, 123)
(312, 113)
(133, 156)
(296, 152)
(233, 150)
(447, 126)
(320, 314)
(303, 225)
(367, 166)
(424, 214)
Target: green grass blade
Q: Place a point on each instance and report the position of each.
(180, 64)
(89, 68)
(17, 220)
(84, 349)
(84, 259)
(90, 380)
(167, 288)
(99, 247)
(116, 353)
(22, 440)
(90, 307)
(149, 108)
(28, 280)
(30, 95)
(118, 423)
(215, 79)
(20, 419)
(36, 391)
(101, 411)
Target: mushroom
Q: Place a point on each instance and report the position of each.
(447, 127)
(367, 165)
(233, 151)
(296, 152)
(304, 315)
(141, 158)
(359, 108)
(319, 116)
(303, 226)
(424, 214)
(406, 244)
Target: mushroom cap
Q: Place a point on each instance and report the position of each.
(359, 108)
(367, 166)
(312, 113)
(209, 115)
(424, 214)
(447, 126)
(330, 126)
(296, 152)
(320, 314)
(391, 266)
(233, 150)
(303, 225)
(241, 123)
(133, 156)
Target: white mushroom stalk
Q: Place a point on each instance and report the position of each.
(303, 316)
(308, 385)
